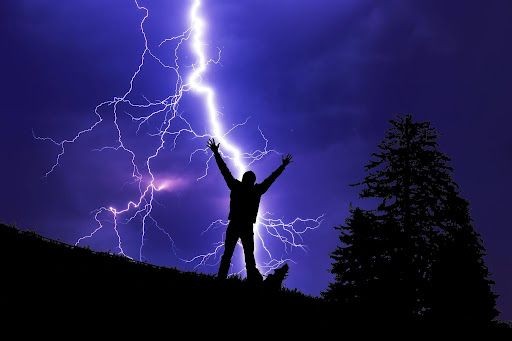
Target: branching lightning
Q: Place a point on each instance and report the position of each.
(165, 112)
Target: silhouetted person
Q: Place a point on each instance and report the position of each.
(243, 209)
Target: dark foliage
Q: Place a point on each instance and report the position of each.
(460, 292)
(415, 256)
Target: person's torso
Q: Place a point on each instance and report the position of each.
(245, 201)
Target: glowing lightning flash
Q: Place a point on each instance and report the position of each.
(197, 29)
(166, 112)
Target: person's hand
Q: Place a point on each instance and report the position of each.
(287, 159)
(214, 147)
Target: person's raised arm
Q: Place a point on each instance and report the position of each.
(228, 177)
(265, 185)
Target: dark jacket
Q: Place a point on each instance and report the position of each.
(245, 199)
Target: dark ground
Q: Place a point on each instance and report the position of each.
(42, 279)
(40, 272)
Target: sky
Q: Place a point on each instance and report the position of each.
(320, 79)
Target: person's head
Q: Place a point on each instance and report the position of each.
(249, 178)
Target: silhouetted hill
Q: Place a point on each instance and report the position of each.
(42, 277)
(37, 270)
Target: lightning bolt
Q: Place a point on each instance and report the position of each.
(165, 114)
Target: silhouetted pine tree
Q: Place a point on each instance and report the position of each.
(460, 289)
(384, 265)
(364, 280)
(355, 260)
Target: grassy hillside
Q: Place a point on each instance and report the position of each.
(41, 277)
(39, 270)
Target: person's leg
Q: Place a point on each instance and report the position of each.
(247, 237)
(229, 248)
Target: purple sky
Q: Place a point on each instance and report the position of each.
(320, 78)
